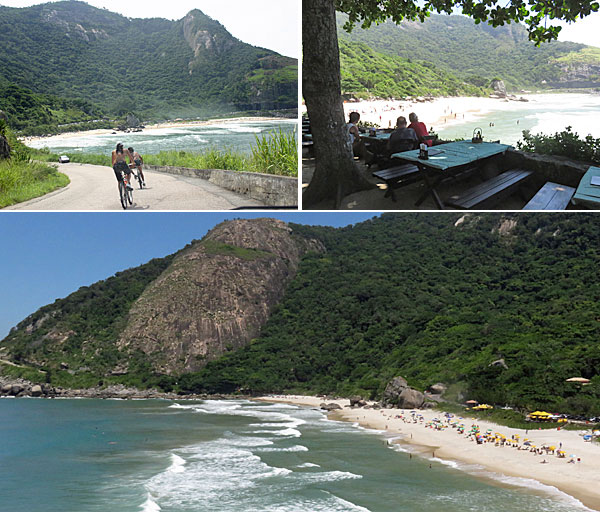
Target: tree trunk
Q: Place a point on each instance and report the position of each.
(4, 148)
(335, 175)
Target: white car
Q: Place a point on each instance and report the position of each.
(64, 159)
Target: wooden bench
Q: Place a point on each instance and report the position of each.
(551, 196)
(491, 191)
(398, 176)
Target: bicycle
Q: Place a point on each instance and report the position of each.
(125, 194)
(139, 178)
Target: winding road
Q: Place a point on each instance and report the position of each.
(94, 187)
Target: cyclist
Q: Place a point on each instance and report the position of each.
(137, 158)
(120, 166)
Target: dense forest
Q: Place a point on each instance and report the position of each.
(500, 308)
(367, 73)
(435, 299)
(474, 53)
(155, 68)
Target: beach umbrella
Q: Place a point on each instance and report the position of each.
(527, 443)
(471, 402)
(578, 379)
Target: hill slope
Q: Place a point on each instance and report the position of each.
(153, 67)
(436, 298)
(168, 316)
(369, 73)
(501, 308)
(480, 53)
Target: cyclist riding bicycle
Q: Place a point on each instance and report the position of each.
(137, 158)
(120, 166)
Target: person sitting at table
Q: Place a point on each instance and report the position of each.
(358, 145)
(403, 138)
(419, 128)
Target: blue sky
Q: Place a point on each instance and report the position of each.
(45, 256)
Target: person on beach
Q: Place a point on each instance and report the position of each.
(120, 166)
(354, 140)
(138, 160)
(419, 128)
(402, 138)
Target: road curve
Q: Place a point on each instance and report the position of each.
(94, 187)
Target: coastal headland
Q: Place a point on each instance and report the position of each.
(577, 479)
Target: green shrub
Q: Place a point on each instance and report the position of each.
(566, 143)
(276, 153)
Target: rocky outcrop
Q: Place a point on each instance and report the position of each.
(499, 88)
(438, 389)
(216, 294)
(398, 394)
(330, 407)
(357, 401)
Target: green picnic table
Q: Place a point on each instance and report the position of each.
(447, 160)
(587, 194)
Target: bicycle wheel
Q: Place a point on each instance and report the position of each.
(139, 178)
(123, 194)
(130, 195)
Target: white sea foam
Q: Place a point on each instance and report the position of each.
(328, 476)
(177, 464)
(290, 449)
(308, 465)
(150, 505)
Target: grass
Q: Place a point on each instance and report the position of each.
(272, 153)
(22, 180)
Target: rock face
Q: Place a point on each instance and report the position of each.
(215, 296)
(398, 394)
(499, 88)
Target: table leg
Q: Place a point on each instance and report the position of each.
(431, 189)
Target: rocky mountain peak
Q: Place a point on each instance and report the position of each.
(203, 33)
(216, 295)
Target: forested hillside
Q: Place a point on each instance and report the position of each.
(479, 53)
(500, 308)
(153, 67)
(367, 73)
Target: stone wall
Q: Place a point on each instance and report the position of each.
(557, 169)
(267, 188)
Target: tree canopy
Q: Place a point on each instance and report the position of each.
(535, 14)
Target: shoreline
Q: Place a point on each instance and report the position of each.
(447, 113)
(156, 126)
(577, 480)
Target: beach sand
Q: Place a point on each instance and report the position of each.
(436, 114)
(157, 126)
(579, 480)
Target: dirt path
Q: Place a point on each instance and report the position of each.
(94, 187)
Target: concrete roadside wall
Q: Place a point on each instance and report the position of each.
(267, 188)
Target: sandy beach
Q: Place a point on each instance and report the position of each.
(578, 479)
(437, 113)
(157, 126)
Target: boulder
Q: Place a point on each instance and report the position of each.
(357, 401)
(36, 390)
(6, 389)
(398, 394)
(15, 389)
(329, 407)
(438, 389)
(132, 121)
(499, 88)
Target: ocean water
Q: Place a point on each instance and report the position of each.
(543, 113)
(236, 135)
(235, 456)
